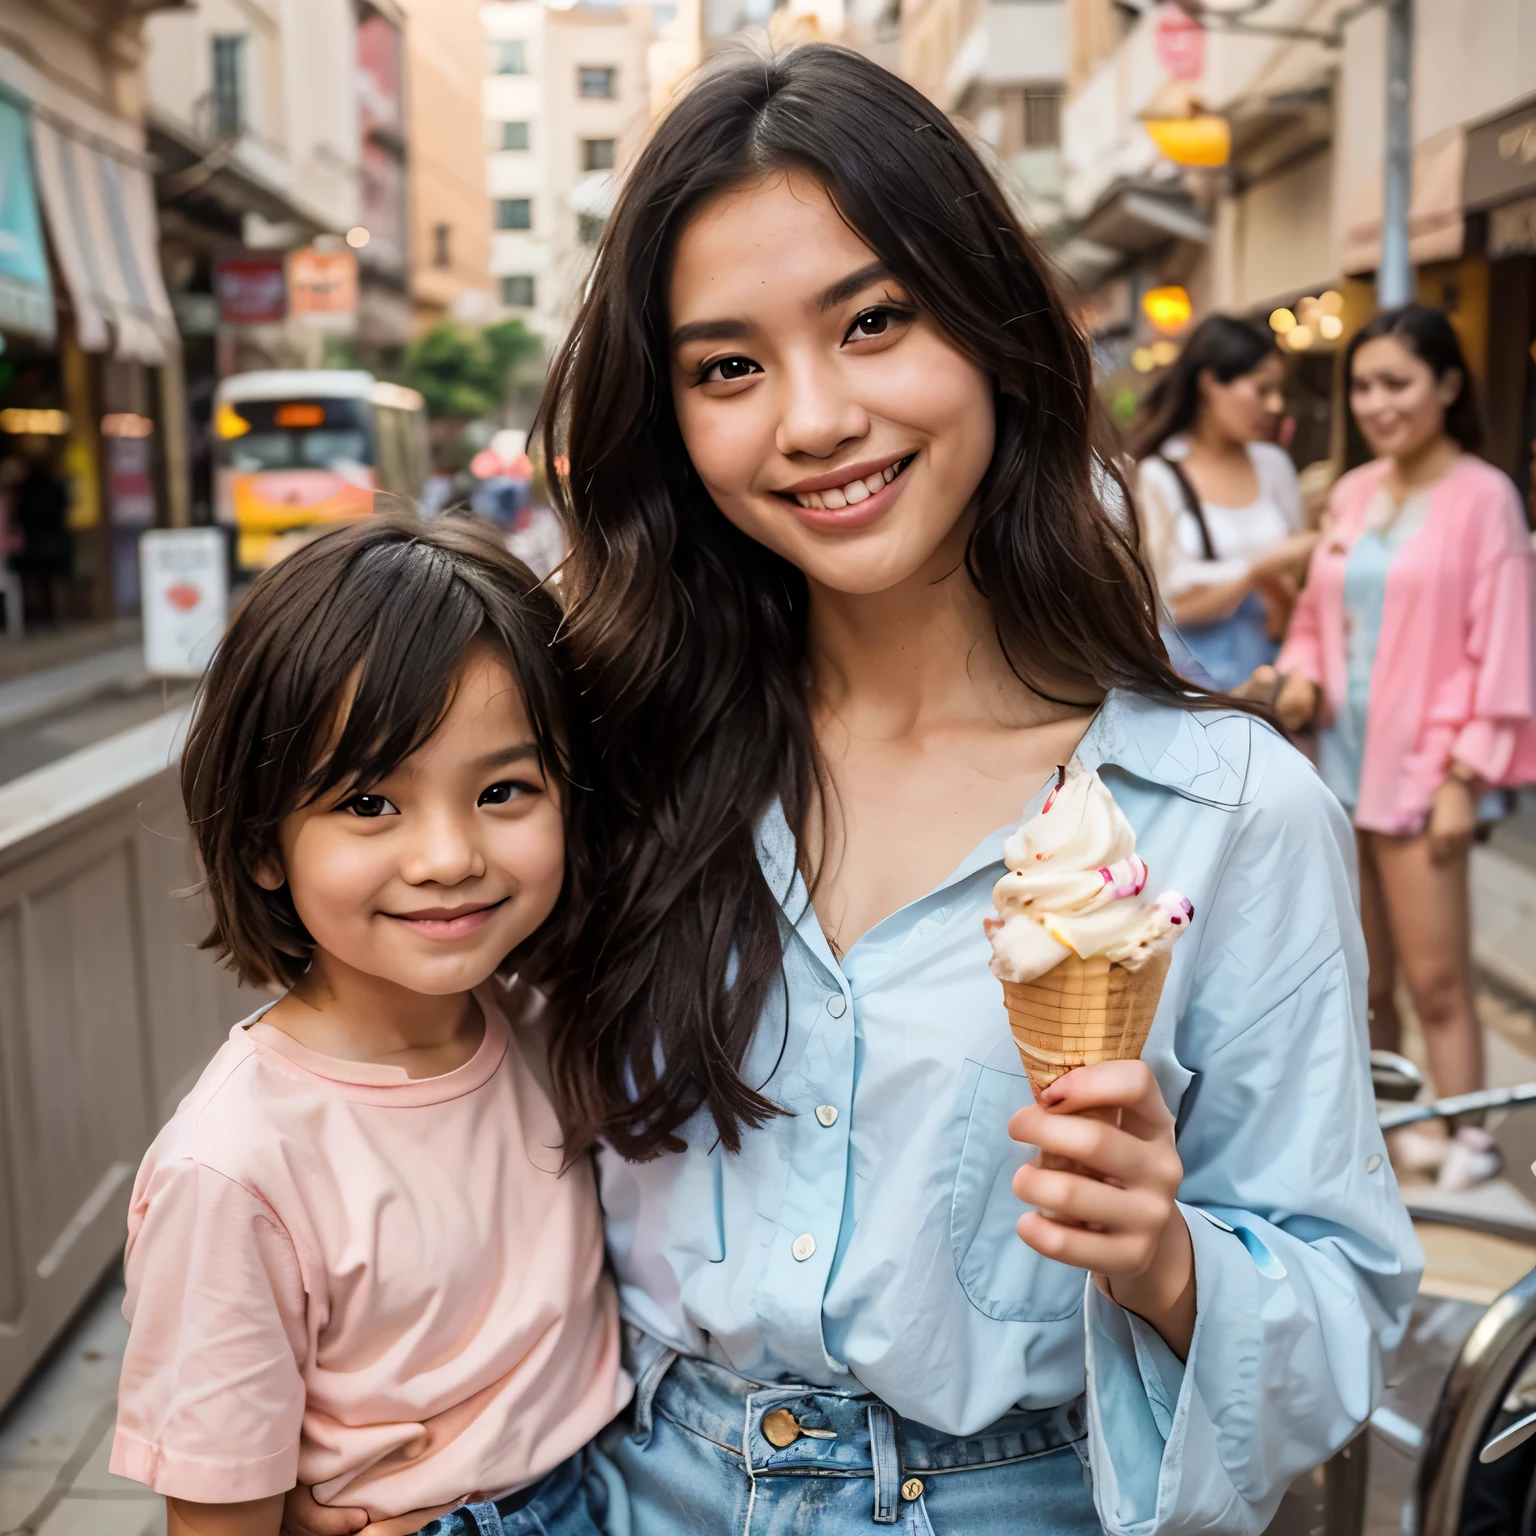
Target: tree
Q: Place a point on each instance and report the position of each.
(462, 372)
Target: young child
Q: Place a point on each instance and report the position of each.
(353, 1259)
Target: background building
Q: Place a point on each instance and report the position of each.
(450, 216)
(1001, 66)
(566, 96)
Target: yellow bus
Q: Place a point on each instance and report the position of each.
(300, 449)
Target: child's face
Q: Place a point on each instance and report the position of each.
(827, 418)
(430, 876)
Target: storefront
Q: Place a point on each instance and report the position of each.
(90, 379)
(1500, 196)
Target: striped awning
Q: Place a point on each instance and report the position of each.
(101, 217)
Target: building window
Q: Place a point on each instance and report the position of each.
(507, 57)
(597, 154)
(514, 213)
(589, 227)
(442, 247)
(514, 135)
(226, 100)
(594, 80)
(1042, 116)
(517, 292)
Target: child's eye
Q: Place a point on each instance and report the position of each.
(505, 792)
(370, 806)
(728, 370)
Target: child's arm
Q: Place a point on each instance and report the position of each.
(254, 1517)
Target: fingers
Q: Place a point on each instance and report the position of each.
(1105, 1253)
(303, 1516)
(1109, 1151)
(1127, 1086)
(1070, 1197)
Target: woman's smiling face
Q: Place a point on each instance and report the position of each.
(827, 418)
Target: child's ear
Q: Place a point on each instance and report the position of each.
(268, 874)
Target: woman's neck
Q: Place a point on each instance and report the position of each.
(922, 652)
(1426, 465)
(1207, 441)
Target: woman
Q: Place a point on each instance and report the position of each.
(843, 595)
(1219, 500)
(1412, 645)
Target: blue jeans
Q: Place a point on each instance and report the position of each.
(695, 1456)
(570, 1501)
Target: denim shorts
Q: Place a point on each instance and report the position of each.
(699, 1452)
(570, 1501)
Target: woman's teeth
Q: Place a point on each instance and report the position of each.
(849, 495)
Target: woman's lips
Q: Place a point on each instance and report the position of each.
(861, 514)
(447, 922)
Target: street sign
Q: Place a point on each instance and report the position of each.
(251, 290)
(185, 594)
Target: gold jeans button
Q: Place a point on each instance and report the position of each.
(780, 1428)
(912, 1489)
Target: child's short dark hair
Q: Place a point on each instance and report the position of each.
(374, 618)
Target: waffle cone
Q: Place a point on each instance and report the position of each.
(1082, 1012)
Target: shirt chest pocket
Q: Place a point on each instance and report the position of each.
(1001, 1274)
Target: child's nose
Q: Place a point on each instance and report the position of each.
(443, 852)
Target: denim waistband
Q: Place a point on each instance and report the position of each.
(836, 1434)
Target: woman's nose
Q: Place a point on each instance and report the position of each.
(818, 412)
(442, 851)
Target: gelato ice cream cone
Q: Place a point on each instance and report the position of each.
(1081, 1012)
(1081, 953)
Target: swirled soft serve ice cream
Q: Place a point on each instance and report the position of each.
(1081, 951)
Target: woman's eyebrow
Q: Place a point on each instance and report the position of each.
(711, 330)
(854, 283)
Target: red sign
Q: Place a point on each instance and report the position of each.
(1180, 42)
(322, 282)
(251, 290)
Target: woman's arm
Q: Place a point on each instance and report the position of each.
(1304, 1261)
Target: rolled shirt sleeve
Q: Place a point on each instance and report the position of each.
(1501, 645)
(211, 1398)
(1305, 1261)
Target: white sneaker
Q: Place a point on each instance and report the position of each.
(1415, 1151)
(1473, 1158)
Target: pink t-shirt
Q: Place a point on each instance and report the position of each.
(380, 1286)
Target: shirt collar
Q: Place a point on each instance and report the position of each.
(1204, 756)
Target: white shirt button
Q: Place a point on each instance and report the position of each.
(803, 1246)
(837, 1005)
(827, 1114)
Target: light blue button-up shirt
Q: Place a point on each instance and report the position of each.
(865, 1240)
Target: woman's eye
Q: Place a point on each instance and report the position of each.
(369, 806)
(729, 369)
(505, 793)
(876, 322)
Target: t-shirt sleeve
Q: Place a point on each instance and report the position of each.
(211, 1397)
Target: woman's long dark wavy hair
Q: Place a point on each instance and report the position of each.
(690, 639)
(1219, 345)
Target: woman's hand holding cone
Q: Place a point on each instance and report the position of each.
(1118, 1218)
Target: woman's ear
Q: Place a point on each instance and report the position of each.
(1449, 387)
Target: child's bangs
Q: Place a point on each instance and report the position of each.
(401, 685)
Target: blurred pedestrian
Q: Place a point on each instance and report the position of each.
(1219, 501)
(40, 515)
(1412, 647)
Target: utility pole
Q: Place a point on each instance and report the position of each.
(1394, 273)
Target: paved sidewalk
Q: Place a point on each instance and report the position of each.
(56, 1437)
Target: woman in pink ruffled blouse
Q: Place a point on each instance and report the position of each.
(1413, 648)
